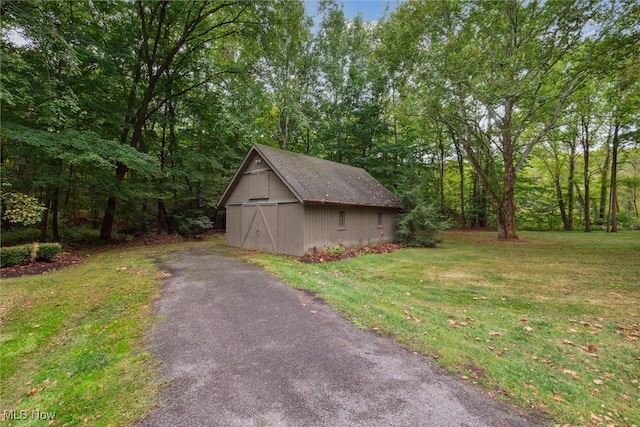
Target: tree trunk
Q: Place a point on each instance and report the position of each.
(110, 210)
(563, 211)
(506, 209)
(612, 224)
(45, 222)
(506, 206)
(463, 216)
(441, 165)
(603, 183)
(54, 215)
(568, 224)
(585, 150)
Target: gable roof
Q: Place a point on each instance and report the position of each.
(313, 180)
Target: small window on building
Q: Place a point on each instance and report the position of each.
(341, 220)
(379, 219)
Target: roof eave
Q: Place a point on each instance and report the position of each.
(342, 203)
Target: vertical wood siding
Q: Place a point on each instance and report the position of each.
(234, 225)
(290, 226)
(361, 228)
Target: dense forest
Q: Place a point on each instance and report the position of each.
(132, 116)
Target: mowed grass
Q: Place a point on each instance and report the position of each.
(550, 322)
(72, 343)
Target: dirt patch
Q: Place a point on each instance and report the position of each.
(62, 260)
(339, 253)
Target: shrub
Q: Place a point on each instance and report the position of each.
(16, 255)
(48, 251)
(336, 250)
(419, 224)
(189, 223)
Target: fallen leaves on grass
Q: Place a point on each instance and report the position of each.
(573, 374)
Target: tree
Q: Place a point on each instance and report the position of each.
(507, 70)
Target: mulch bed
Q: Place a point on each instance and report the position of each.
(62, 260)
(71, 257)
(330, 256)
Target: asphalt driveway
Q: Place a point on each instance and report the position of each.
(240, 348)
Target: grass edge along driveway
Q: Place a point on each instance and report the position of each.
(550, 322)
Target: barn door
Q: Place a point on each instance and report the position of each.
(260, 223)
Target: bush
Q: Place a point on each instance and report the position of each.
(419, 224)
(48, 251)
(16, 255)
(189, 223)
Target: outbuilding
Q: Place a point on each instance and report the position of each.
(289, 203)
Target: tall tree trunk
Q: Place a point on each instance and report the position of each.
(612, 224)
(506, 208)
(45, 221)
(110, 210)
(463, 216)
(604, 175)
(55, 203)
(568, 224)
(585, 150)
(441, 164)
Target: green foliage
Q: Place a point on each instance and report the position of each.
(419, 224)
(86, 118)
(47, 251)
(19, 208)
(16, 255)
(189, 222)
(336, 250)
(19, 236)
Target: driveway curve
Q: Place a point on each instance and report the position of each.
(240, 348)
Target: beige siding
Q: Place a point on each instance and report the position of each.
(234, 225)
(259, 184)
(290, 221)
(321, 228)
(256, 163)
(240, 193)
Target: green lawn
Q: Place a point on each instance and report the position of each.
(72, 342)
(550, 321)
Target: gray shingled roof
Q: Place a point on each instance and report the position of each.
(315, 180)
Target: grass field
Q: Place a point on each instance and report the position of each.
(72, 343)
(550, 322)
